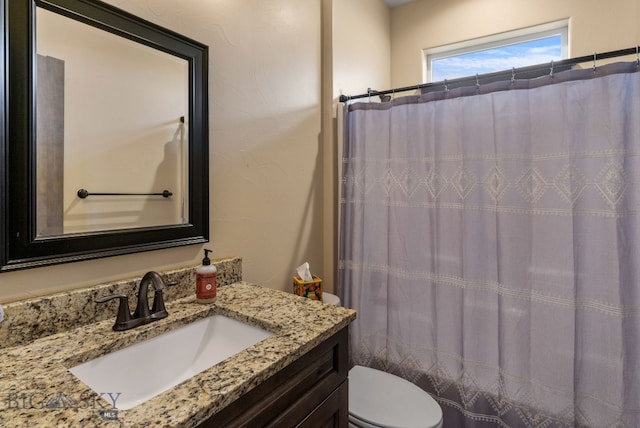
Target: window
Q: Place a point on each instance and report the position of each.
(520, 48)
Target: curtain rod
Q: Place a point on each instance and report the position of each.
(529, 72)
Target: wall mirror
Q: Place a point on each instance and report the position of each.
(105, 134)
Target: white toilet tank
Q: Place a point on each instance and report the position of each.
(331, 299)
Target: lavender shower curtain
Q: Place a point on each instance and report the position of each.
(490, 242)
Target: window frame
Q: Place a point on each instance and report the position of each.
(523, 35)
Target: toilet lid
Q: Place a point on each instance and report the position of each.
(389, 401)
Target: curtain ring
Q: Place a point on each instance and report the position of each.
(594, 62)
(551, 70)
(446, 88)
(513, 75)
(477, 82)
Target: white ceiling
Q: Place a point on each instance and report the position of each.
(394, 3)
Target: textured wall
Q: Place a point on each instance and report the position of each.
(594, 26)
(362, 46)
(265, 167)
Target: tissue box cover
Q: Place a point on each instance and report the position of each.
(309, 289)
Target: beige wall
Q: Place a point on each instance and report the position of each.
(361, 46)
(594, 26)
(265, 166)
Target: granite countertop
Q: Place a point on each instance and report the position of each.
(38, 390)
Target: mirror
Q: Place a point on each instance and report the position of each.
(106, 137)
(120, 144)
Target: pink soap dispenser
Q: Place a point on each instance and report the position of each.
(206, 276)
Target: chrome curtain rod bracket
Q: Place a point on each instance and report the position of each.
(84, 193)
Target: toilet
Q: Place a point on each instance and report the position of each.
(331, 299)
(381, 400)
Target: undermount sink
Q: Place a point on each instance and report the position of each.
(144, 370)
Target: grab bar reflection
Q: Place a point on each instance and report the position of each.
(83, 193)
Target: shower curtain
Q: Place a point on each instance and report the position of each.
(489, 242)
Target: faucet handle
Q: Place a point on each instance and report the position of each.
(123, 320)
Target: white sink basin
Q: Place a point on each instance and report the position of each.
(144, 370)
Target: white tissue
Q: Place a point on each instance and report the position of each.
(304, 272)
(1, 314)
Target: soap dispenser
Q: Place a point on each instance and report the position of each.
(206, 276)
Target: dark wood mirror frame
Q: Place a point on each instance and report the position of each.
(20, 248)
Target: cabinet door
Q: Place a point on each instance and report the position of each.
(333, 412)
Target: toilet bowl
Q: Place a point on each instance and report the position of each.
(381, 400)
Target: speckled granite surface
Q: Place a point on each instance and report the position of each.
(36, 388)
(27, 320)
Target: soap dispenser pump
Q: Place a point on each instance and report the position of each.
(206, 276)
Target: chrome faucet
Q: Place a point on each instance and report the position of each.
(143, 314)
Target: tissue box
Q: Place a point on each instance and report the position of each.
(310, 289)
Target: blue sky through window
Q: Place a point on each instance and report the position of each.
(497, 59)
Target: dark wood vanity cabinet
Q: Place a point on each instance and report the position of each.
(310, 392)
